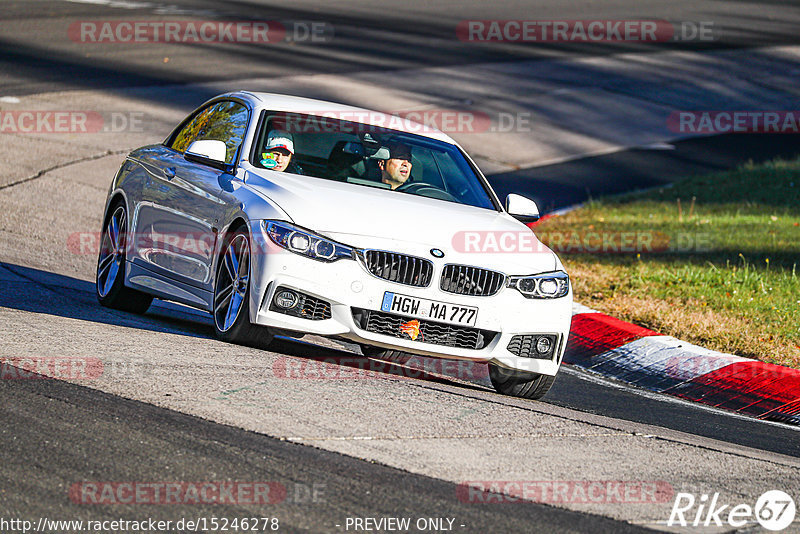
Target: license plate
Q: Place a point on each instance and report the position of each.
(429, 309)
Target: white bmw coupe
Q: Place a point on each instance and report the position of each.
(286, 215)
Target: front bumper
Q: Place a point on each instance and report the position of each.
(350, 289)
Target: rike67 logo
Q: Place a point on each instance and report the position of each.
(774, 510)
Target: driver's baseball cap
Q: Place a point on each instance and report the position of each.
(399, 151)
(279, 139)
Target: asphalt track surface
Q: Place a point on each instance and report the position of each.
(572, 389)
(367, 35)
(53, 433)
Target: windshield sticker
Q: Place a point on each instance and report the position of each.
(268, 160)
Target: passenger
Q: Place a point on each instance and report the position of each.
(396, 170)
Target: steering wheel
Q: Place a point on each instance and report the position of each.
(426, 190)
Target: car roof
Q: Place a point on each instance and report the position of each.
(311, 106)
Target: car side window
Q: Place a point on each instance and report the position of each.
(224, 121)
(190, 130)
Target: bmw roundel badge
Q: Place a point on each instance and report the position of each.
(437, 253)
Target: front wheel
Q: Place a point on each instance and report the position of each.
(519, 383)
(232, 295)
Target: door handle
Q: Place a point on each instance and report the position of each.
(169, 172)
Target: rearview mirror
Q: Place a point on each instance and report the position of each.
(208, 152)
(382, 153)
(521, 208)
(369, 151)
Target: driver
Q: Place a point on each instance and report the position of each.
(397, 169)
(278, 152)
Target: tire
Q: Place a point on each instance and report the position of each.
(232, 294)
(519, 383)
(110, 273)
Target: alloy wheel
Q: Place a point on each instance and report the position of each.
(112, 252)
(231, 289)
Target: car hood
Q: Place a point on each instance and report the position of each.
(367, 217)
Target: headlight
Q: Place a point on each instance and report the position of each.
(306, 243)
(542, 286)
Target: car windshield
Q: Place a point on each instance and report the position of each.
(369, 156)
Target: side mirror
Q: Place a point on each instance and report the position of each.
(521, 208)
(208, 152)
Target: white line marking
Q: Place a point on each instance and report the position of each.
(159, 9)
(614, 434)
(580, 308)
(666, 357)
(658, 146)
(123, 4)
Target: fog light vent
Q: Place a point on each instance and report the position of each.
(286, 299)
(298, 304)
(537, 346)
(543, 345)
